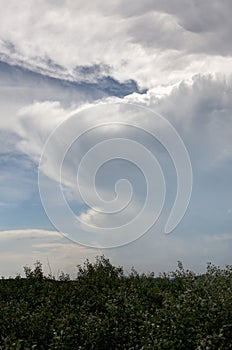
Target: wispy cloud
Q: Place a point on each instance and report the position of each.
(29, 234)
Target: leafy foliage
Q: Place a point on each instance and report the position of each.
(105, 309)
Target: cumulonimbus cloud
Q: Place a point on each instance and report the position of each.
(169, 42)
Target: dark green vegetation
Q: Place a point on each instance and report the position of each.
(104, 309)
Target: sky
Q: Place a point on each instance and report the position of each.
(115, 130)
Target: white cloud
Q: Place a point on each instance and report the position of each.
(200, 109)
(24, 247)
(34, 125)
(169, 42)
(29, 234)
(221, 237)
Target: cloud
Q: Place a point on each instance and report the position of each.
(24, 247)
(202, 113)
(155, 252)
(52, 100)
(80, 54)
(29, 234)
(76, 41)
(198, 23)
(221, 237)
(200, 110)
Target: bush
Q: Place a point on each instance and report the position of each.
(105, 309)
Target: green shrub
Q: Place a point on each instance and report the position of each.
(105, 309)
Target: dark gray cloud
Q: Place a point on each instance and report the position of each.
(198, 26)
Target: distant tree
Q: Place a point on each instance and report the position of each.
(37, 273)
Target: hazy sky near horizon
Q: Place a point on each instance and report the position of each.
(173, 57)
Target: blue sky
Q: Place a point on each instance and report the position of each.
(60, 59)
